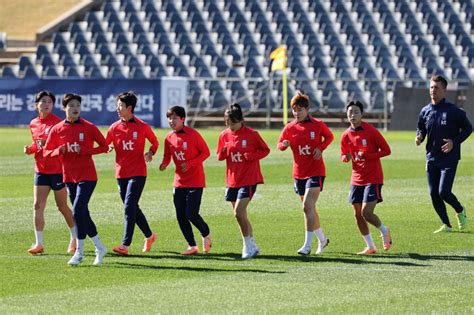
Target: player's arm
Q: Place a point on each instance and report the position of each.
(283, 143)
(384, 148)
(420, 129)
(166, 156)
(261, 149)
(202, 148)
(32, 148)
(109, 138)
(52, 147)
(465, 127)
(150, 135)
(97, 137)
(328, 138)
(221, 151)
(346, 154)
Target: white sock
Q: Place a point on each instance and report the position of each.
(98, 244)
(308, 239)
(247, 241)
(369, 241)
(72, 232)
(383, 229)
(320, 234)
(39, 237)
(80, 246)
(252, 239)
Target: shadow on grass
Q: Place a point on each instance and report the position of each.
(425, 257)
(182, 268)
(353, 259)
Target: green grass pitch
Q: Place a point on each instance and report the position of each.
(422, 273)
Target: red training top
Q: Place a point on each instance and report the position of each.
(40, 128)
(186, 146)
(128, 138)
(305, 137)
(370, 142)
(244, 149)
(78, 139)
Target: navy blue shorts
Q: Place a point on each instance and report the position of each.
(55, 181)
(365, 194)
(232, 194)
(302, 184)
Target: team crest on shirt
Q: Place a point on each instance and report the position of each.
(81, 136)
(312, 135)
(185, 145)
(444, 118)
(364, 142)
(244, 143)
(135, 135)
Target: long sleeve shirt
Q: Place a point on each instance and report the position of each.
(186, 146)
(443, 121)
(40, 128)
(370, 142)
(78, 140)
(129, 139)
(305, 137)
(244, 149)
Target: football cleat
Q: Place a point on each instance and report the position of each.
(462, 219)
(36, 250)
(443, 228)
(206, 244)
(191, 250)
(322, 246)
(387, 240)
(149, 242)
(76, 259)
(72, 246)
(367, 251)
(122, 250)
(99, 256)
(251, 252)
(304, 250)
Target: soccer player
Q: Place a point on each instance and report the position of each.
(128, 136)
(48, 172)
(242, 148)
(308, 138)
(445, 127)
(188, 150)
(73, 139)
(364, 145)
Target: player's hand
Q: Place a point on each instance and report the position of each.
(148, 157)
(317, 154)
(249, 156)
(224, 149)
(162, 167)
(286, 143)
(184, 167)
(111, 148)
(346, 157)
(359, 156)
(448, 146)
(418, 139)
(26, 149)
(62, 149)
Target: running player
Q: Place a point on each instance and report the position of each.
(48, 172)
(242, 148)
(308, 138)
(73, 139)
(128, 136)
(364, 145)
(188, 150)
(445, 127)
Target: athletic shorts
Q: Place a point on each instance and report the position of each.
(365, 194)
(302, 184)
(232, 194)
(55, 181)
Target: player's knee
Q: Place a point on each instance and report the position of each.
(39, 206)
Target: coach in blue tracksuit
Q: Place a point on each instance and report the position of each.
(445, 127)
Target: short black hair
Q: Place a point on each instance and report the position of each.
(42, 93)
(129, 98)
(177, 110)
(69, 97)
(355, 103)
(440, 78)
(234, 113)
